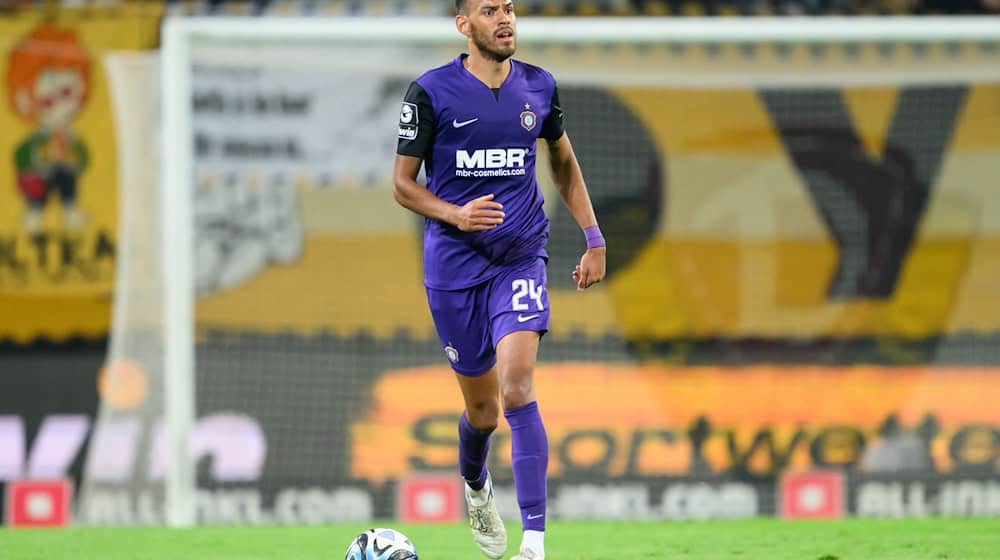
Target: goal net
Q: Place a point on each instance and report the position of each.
(800, 316)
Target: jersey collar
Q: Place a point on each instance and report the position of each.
(460, 66)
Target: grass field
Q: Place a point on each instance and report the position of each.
(765, 539)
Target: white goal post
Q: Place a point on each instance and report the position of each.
(177, 150)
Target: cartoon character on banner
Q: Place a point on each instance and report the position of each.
(48, 82)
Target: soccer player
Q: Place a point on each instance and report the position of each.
(475, 124)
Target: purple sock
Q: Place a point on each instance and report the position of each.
(530, 459)
(473, 447)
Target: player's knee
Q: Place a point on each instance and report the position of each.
(484, 416)
(517, 399)
(517, 390)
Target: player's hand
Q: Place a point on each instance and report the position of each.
(591, 268)
(479, 214)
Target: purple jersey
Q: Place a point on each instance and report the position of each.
(475, 141)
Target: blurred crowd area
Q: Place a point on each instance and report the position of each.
(543, 7)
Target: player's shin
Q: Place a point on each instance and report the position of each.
(530, 460)
(473, 448)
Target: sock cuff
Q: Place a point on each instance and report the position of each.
(522, 415)
(465, 426)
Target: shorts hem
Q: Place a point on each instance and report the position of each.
(541, 333)
(475, 372)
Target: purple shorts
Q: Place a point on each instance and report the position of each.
(472, 321)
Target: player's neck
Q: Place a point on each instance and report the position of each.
(488, 71)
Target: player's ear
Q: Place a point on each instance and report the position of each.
(462, 24)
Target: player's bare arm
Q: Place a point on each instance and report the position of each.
(572, 188)
(476, 215)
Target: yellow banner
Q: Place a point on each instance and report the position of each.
(782, 220)
(778, 213)
(656, 421)
(58, 170)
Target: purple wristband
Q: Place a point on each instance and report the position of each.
(594, 237)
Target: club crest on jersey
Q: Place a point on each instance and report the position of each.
(451, 353)
(528, 120)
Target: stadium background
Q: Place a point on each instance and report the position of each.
(800, 279)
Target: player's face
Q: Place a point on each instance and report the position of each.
(492, 27)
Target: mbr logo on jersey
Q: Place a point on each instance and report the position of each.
(491, 162)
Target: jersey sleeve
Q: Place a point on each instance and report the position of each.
(552, 127)
(416, 123)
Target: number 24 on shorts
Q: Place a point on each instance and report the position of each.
(526, 288)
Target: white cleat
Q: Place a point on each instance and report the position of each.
(528, 554)
(484, 519)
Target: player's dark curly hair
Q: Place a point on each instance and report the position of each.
(460, 6)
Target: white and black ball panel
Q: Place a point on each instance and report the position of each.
(381, 544)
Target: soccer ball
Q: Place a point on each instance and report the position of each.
(381, 544)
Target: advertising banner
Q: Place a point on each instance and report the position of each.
(752, 423)
(58, 170)
(626, 441)
(731, 213)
